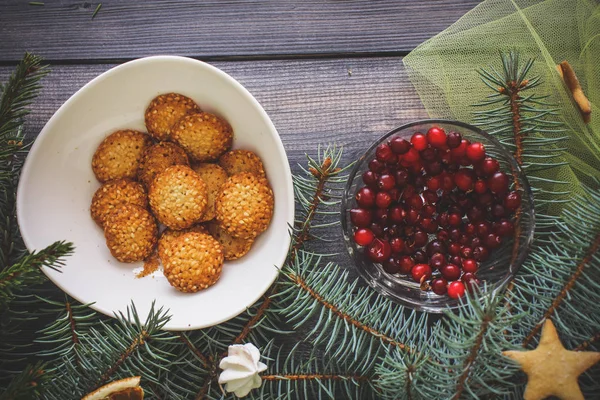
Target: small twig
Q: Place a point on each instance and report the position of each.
(96, 10)
(73, 327)
(565, 290)
(194, 349)
(460, 386)
(588, 342)
(409, 371)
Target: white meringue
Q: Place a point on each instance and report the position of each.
(241, 368)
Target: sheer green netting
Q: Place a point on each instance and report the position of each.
(444, 68)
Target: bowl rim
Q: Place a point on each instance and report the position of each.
(451, 304)
(288, 209)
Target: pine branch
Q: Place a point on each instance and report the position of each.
(583, 346)
(28, 385)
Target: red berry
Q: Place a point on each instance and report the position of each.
(395, 194)
(383, 200)
(397, 214)
(436, 137)
(429, 154)
(476, 152)
(490, 166)
(429, 225)
(399, 145)
(483, 229)
(469, 265)
(412, 217)
(420, 257)
(456, 289)
(480, 187)
(391, 265)
(460, 150)
(439, 286)
(406, 263)
(454, 219)
(419, 271)
(381, 215)
(420, 239)
(428, 211)
(437, 261)
(450, 272)
(498, 183)
(411, 157)
(435, 246)
(365, 197)
(454, 139)
(454, 248)
(377, 230)
(434, 182)
(415, 202)
(363, 237)
(492, 241)
(470, 280)
(384, 153)
(402, 177)
(386, 182)
(504, 228)
(430, 196)
(443, 235)
(464, 179)
(361, 217)
(448, 182)
(419, 141)
(379, 250)
(397, 245)
(466, 252)
(480, 253)
(512, 201)
(370, 178)
(376, 166)
(434, 168)
(475, 214)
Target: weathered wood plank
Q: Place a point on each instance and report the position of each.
(64, 30)
(346, 101)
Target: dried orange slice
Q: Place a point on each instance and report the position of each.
(124, 389)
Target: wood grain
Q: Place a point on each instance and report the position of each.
(220, 29)
(350, 102)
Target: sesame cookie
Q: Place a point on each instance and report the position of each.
(119, 155)
(164, 111)
(168, 237)
(233, 248)
(238, 161)
(130, 233)
(178, 197)
(203, 136)
(244, 205)
(195, 262)
(112, 194)
(159, 157)
(214, 177)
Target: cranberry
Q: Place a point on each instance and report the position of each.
(411, 157)
(420, 239)
(453, 140)
(383, 200)
(454, 249)
(512, 201)
(469, 265)
(454, 219)
(381, 215)
(419, 271)
(498, 211)
(435, 246)
(448, 182)
(402, 177)
(399, 145)
(384, 153)
(436, 137)
(456, 289)
(490, 166)
(429, 154)
(446, 159)
(420, 182)
(460, 150)
(504, 228)
(434, 183)
(408, 192)
(476, 152)
(377, 230)
(429, 225)
(391, 265)
(361, 217)
(428, 210)
(470, 229)
(470, 280)
(415, 202)
(455, 234)
(397, 244)
(464, 179)
(395, 193)
(363, 236)
(480, 253)
(405, 264)
(376, 166)
(434, 168)
(379, 250)
(485, 199)
(492, 241)
(456, 260)
(466, 252)
(437, 260)
(480, 187)
(420, 257)
(498, 183)
(418, 141)
(365, 197)
(370, 178)
(386, 182)
(412, 217)
(394, 230)
(450, 272)
(439, 286)
(483, 228)
(475, 214)
(475, 242)
(397, 214)
(443, 219)
(409, 248)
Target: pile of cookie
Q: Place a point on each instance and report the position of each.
(183, 179)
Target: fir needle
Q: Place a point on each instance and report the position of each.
(36, 3)
(96, 10)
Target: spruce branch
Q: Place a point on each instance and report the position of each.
(28, 385)
(589, 342)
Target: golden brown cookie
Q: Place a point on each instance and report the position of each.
(203, 136)
(115, 193)
(159, 157)
(245, 205)
(168, 237)
(233, 248)
(214, 177)
(165, 111)
(238, 161)
(178, 197)
(119, 155)
(195, 262)
(130, 233)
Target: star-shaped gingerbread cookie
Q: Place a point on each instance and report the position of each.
(551, 369)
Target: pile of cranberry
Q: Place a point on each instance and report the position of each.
(433, 208)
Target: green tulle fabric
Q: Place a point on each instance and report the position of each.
(444, 68)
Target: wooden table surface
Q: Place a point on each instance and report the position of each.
(326, 71)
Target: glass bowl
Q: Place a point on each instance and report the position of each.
(503, 262)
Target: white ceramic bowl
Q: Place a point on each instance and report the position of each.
(57, 184)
